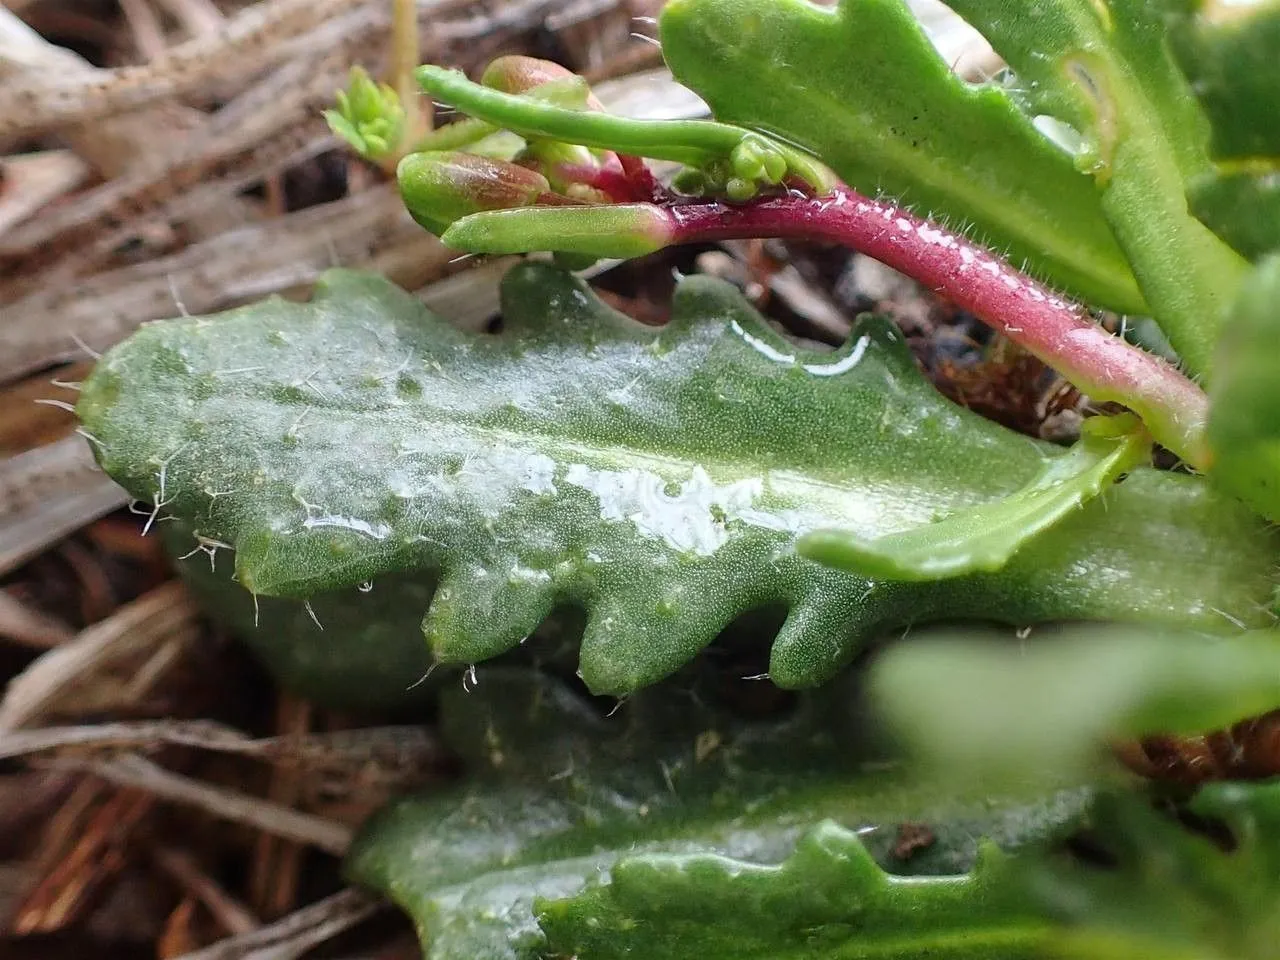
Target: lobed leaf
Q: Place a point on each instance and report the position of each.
(827, 899)
(1167, 890)
(656, 479)
(561, 799)
(892, 118)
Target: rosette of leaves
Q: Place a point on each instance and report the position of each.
(664, 482)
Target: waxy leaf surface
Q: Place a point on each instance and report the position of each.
(986, 536)
(666, 787)
(657, 479)
(1167, 891)
(828, 899)
(862, 88)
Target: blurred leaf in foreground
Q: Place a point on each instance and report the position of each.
(990, 709)
(1173, 891)
(1244, 431)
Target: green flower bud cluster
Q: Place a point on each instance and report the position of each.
(369, 116)
(753, 164)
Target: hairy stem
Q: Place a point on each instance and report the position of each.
(1053, 328)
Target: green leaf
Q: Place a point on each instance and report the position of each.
(1229, 54)
(986, 536)
(862, 88)
(1242, 208)
(1104, 67)
(656, 479)
(1172, 892)
(354, 648)
(1168, 891)
(991, 710)
(558, 794)
(827, 899)
(369, 116)
(1244, 431)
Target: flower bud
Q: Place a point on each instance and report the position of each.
(369, 116)
(441, 187)
(518, 74)
(613, 230)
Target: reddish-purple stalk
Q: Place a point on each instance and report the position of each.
(610, 181)
(628, 181)
(1051, 327)
(643, 182)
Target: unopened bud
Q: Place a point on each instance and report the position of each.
(518, 74)
(441, 187)
(756, 160)
(739, 190)
(747, 161)
(369, 116)
(615, 230)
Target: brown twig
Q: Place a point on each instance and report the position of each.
(238, 265)
(255, 39)
(392, 746)
(30, 181)
(30, 627)
(144, 23)
(293, 935)
(232, 915)
(157, 615)
(273, 875)
(87, 858)
(46, 494)
(133, 770)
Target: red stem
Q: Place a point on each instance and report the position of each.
(645, 184)
(1049, 326)
(610, 181)
(629, 181)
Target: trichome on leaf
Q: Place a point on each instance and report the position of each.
(664, 482)
(659, 480)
